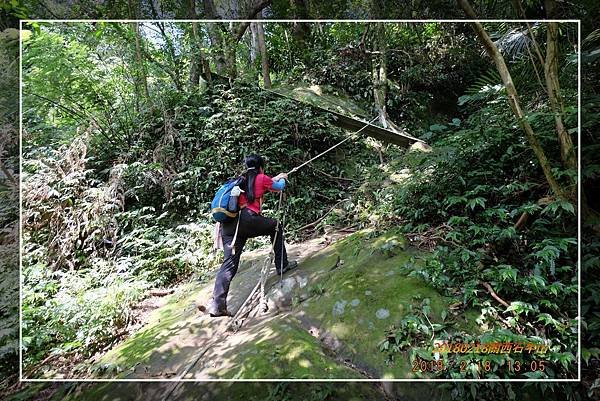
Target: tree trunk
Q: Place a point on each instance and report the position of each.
(215, 34)
(379, 76)
(225, 38)
(300, 30)
(253, 10)
(253, 43)
(216, 42)
(264, 57)
(552, 87)
(513, 100)
(235, 35)
(203, 59)
(142, 80)
(198, 63)
(254, 49)
(194, 62)
(230, 57)
(567, 151)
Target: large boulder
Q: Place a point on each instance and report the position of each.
(337, 306)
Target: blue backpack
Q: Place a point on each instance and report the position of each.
(224, 207)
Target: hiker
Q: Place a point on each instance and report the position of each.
(251, 224)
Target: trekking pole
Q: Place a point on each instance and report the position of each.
(282, 249)
(331, 148)
(265, 270)
(260, 285)
(282, 222)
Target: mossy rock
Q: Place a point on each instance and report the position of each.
(323, 96)
(357, 289)
(280, 348)
(366, 294)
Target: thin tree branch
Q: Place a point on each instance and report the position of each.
(326, 174)
(522, 220)
(65, 108)
(171, 52)
(78, 114)
(314, 223)
(536, 46)
(537, 74)
(489, 288)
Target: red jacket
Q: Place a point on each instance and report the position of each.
(262, 184)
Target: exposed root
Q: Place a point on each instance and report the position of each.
(431, 237)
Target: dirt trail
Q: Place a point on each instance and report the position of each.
(178, 346)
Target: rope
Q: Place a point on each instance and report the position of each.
(331, 148)
(266, 266)
(264, 272)
(237, 320)
(282, 240)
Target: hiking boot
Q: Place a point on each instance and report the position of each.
(220, 313)
(215, 311)
(290, 265)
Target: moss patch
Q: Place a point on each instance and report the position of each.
(280, 348)
(366, 295)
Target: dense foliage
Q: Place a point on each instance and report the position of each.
(471, 213)
(590, 262)
(9, 207)
(428, 65)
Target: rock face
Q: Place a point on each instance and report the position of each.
(322, 315)
(281, 296)
(382, 313)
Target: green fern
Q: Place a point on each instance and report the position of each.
(489, 79)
